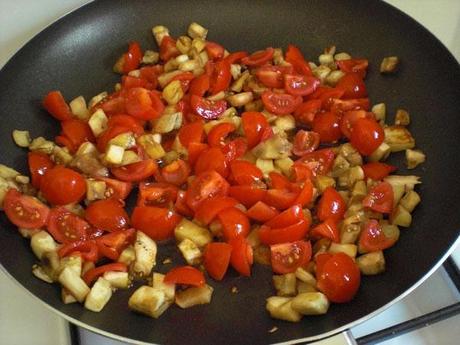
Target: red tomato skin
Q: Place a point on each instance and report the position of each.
(187, 275)
(254, 124)
(350, 117)
(91, 275)
(181, 205)
(107, 214)
(158, 223)
(132, 58)
(208, 110)
(377, 170)
(87, 249)
(366, 136)
(77, 132)
(327, 229)
(290, 233)
(247, 195)
(241, 257)
(246, 173)
(306, 112)
(261, 212)
(168, 48)
(319, 161)
(331, 205)
(220, 78)
(33, 214)
(39, 163)
(217, 135)
(191, 133)
(62, 186)
(55, 104)
(206, 185)
(216, 259)
(327, 125)
(234, 223)
(176, 172)
(272, 76)
(380, 198)
(372, 238)
(358, 66)
(135, 172)
(211, 207)
(117, 189)
(258, 58)
(212, 159)
(353, 85)
(288, 217)
(338, 278)
(287, 257)
(294, 56)
(306, 194)
(200, 85)
(281, 199)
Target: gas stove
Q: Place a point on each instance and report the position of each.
(428, 315)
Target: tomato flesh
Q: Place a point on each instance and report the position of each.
(25, 211)
(287, 257)
(66, 226)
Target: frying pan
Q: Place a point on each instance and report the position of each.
(75, 55)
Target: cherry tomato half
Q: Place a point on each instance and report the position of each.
(186, 275)
(331, 205)
(234, 223)
(25, 211)
(39, 163)
(280, 103)
(366, 135)
(66, 226)
(380, 198)
(216, 258)
(62, 186)
(287, 257)
(107, 214)
(156, 222)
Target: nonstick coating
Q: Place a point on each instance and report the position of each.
(75, 55)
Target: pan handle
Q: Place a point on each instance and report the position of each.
(343, 338)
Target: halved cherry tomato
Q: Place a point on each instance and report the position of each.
(247, 195)
(112, 244)
(132, 59)
(176, 172)
(86, 248)
(66, 226)
(305, 142)
(306, 193)
(306, 112)
(215, 51)
(186, 275)
(258, 58)
(25, 211)
(290, 233)
(194, 151)
(327, 125)
(301, 172)
(327, 229)
(287, 217)
(113, 104)
(278, 181)
(55, 104)
(261, 212)
(241, 257)
(91, 275)
(216, 258)
(300, 85)
(295, 57)
(372, 237)
(135, 125)
(39, 163)
(77, 132)
(217, 135)
(366, 136)
(331, 205)
(235, 149)
(128, 82)
(320, 161)
(281, 199)
(116, 189)
(191, 133)
(254, 124)
(207, 109)
(380, 198)
(246, 173)
(181, 205)
(358, 66)
(342, 105)
(199, 85)
(327, 95)
(287, 257)
(234, 223)
(377, 170)
(107, 214)
(235, 57)
(168, 48)
(135, 172)
(272, 76)
(212, 159)
(143, 104)
(349, 119)
(62, 186)
(280, 103)
(156, 222)
(353, 85)
(210, 208)
(338, 277)
(206, 185)
(220, 78)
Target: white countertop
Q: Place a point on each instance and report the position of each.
(20, 314)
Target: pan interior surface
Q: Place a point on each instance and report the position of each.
(76, 55)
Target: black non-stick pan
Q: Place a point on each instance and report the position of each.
(75, 55)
